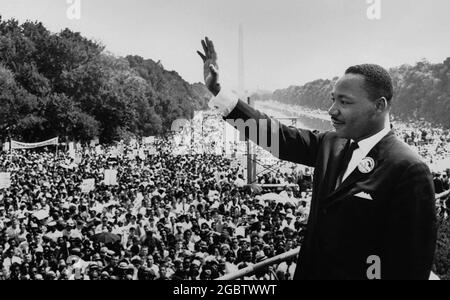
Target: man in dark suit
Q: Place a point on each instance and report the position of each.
(438, 183)
(373, 206)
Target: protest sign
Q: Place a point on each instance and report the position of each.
(88, 185)
(78, 159)
(72, 153)
(152, 151)
(5, 180)
(111, 177)
(148, 140)
(142, 155)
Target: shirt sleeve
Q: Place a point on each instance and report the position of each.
(224, 102)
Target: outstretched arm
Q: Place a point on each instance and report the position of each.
(286, 143)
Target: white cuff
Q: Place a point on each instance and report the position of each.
(224, 102)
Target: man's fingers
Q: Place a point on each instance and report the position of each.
(212, 50)
(205, 48)
(202, 56)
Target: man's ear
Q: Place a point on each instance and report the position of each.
(382, 104)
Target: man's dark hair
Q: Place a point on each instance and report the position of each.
(378, 82)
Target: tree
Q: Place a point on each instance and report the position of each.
(64, 84)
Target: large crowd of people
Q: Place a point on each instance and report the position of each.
(431, 142)
(166, 216)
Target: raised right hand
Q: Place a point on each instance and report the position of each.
(210, 67)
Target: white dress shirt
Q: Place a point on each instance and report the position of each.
(365, 146)
(224, 102)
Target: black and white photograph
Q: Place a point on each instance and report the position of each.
(227, 147)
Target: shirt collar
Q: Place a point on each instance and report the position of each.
(367, 144)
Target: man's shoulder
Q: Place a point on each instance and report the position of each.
(402, 156)
(331, 138)
(401, 152)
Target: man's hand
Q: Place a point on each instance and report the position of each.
(210, 67)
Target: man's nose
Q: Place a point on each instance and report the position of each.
(333, 111)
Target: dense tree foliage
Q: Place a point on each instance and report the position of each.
(421, 91)
(68, 86)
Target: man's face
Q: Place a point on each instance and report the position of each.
(353, 114)
(144, 251)
(186, 263)
(162, 272)
(114, 261)
(28, 257)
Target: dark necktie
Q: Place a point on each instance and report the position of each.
(345, 161)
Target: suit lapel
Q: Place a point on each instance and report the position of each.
(356, 175)
(331, 173)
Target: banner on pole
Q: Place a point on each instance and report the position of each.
(19, 145)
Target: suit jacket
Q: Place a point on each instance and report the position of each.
(398, 225)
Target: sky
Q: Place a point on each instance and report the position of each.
(286, 42)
